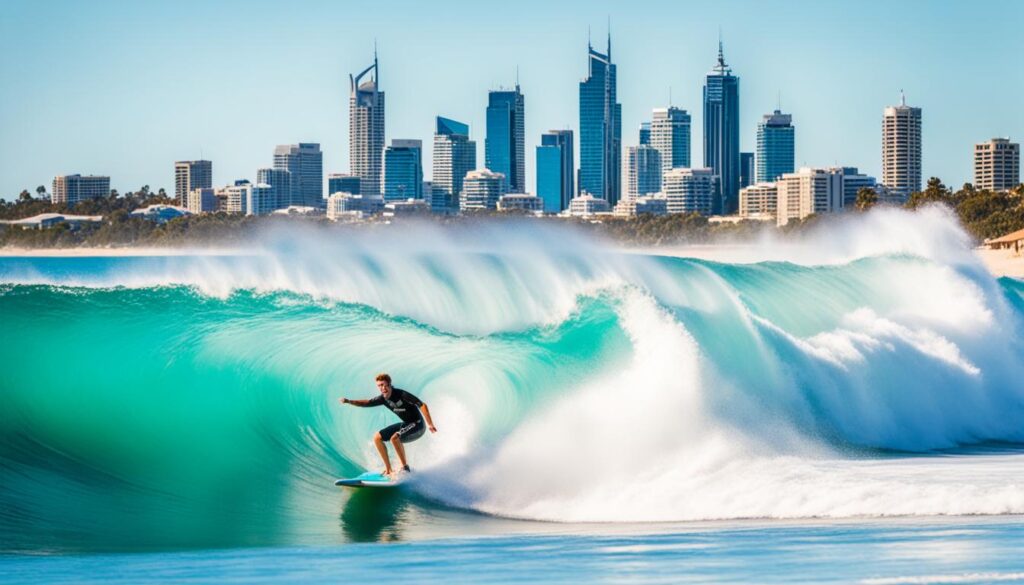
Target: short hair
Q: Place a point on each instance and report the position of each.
(383, 377)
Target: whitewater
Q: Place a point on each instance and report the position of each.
(871, 367)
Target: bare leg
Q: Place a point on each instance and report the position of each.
(383, 450)
(396, 441)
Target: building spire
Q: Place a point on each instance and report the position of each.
(609, 37)
(903, 98)
(721, 53)
(376, 69)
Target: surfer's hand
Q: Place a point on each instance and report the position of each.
(343, 400)
(433, 429)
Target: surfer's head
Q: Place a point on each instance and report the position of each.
(384, 384)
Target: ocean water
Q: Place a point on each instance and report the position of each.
(844, 407)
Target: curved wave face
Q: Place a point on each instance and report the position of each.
(191, 400)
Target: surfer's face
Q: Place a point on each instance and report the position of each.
(384, 388)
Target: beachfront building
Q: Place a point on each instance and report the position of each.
(236, 196)
(454, 156)
(71, 189)
(808, 191)
(600, 128)
(649, 204)
(48, 220)
(350, 206)
(481, 190)
(690, 190)
(521, 202)
(997, 164)
(160, 213)
(901, 149)
(403, 170)
(854, 181)
(505, 144)
(586, 205)
(407, 208)
(366, 129)
(776, 146)
(189, 175)
(201, 200)
(643, 170)
(722, 133)
(759, 200)
(555, 164)
(305, 162)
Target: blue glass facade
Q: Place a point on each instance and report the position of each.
(280, 182)
(722, 133)
(454, 157)
(746, 169)
(555, 162)
(403, 170)
(505, 145)
(776, 142)
(600, 129)
(343, 184)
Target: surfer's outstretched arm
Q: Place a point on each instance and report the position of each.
(426, 415)
(355, 402)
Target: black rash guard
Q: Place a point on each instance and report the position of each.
(402, 403)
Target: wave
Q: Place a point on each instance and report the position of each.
(570, 381)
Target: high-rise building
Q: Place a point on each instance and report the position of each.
(600, 129)
(202, 200)
(808, 191)
(366, 129)
(71, 189)
(759, 200)
(342, 183)
(505, 145)
(643, 170)
(237, 197)
(481, 190)
(262, 199)
(854, 181)
(454, 156)
(997, 164)
(722, 132)
(555, 176)
(689, 190)
(279, 196)
(189, 175)
(901, 149)
(746, 169)
(645, 133)
(403, 170)
(670, 136)
(306, 164)
(776, 146)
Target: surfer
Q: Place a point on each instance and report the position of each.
(409, 408)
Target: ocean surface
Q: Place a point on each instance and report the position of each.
(846, 407)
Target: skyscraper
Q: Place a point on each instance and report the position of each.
(670, 135)
(776, 150)
(403, 170)
(366, 129)
(279, 195)
(189, 175)
(600, 129)
(722, 132)
(645, 133)
(746, 169)
(997, 164)
(901, 149)
(808, 191)
(454, 156)
(555, 164)
(505, 145)
(643, 170)
(305, 162)
(481, 190)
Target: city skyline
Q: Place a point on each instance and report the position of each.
(209, 122)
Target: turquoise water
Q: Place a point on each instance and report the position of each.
(626, 415)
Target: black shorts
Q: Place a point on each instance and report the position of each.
(409, 432)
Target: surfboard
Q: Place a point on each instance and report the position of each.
(369, 479)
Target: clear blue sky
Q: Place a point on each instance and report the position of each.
(125, 88)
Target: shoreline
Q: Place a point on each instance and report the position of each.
(999, 263)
